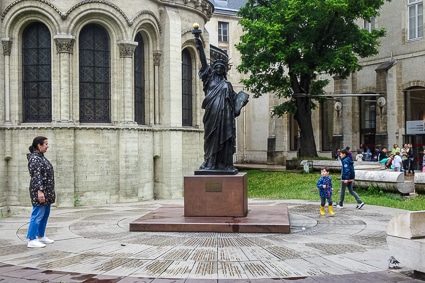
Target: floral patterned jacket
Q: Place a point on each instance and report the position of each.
(325, 192)
(42, 178)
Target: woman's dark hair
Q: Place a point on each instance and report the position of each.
(344, 151)
(35, 142)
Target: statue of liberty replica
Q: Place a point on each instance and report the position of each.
(222, 105)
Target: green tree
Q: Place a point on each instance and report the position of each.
(287, 43)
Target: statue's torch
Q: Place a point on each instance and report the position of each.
(196, 31)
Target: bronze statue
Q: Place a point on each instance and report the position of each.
(222, 104)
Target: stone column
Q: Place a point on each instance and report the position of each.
(395, 134)
(346, 114)
(157, 60)
(7, 47)
(64, 47)
(126, 49)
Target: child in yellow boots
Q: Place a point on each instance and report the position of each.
(324, 184)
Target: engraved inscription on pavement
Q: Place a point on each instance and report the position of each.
(97, 240)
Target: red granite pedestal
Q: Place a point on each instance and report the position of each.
(216, 195)
(215, 203)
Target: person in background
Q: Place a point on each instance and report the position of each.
(375, 154)
(324, 184)
(411, 158)
(397, 162)
(42, 192)
(423, 162)
(337, 152)
(389, 162)
(382, 154)
(367, 154)
(405, 157)
(349, 154)
(395, 149)
(359, 155)
(347, 179)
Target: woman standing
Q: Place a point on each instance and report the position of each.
(42, 192)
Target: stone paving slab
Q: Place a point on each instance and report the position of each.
(94, 244)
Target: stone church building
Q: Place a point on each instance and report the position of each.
(114, 87)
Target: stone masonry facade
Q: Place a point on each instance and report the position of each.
(119, 161)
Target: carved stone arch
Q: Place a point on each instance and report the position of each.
(18, 4)
(190, 46)
(149, 29)
(113, 24)
(82, 5)
(415, 83)
(145, 14)
(22, 16)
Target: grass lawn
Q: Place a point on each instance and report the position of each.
(289, 185)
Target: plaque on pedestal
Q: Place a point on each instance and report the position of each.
(216, 195)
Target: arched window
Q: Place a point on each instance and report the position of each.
(94, 60)
(36, 73)
(186, 88)
(139, 81)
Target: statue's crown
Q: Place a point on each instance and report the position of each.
(220, 62)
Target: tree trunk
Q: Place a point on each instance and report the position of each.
(303, 117)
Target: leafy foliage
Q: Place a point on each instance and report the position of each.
(287, 43)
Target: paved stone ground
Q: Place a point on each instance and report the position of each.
(93, 244)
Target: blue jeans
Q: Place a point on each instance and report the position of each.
(38, 221)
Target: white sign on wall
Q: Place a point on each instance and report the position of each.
(415, 127)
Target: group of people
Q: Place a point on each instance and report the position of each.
(399, 159)
(325, 187)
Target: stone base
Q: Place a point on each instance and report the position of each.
(216, 195)
(406, 239)
(260, 219)
(234, 171)
(409, 252)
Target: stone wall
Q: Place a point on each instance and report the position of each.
(104, 165)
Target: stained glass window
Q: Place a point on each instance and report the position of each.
(139, 81)
(94, 59)
(36, 73)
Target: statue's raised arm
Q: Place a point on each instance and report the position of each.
(199, 45)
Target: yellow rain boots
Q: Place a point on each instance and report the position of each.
(322, 210)
(331, 210)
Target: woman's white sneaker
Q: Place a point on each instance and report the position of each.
(35, 244)
(45, 240)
